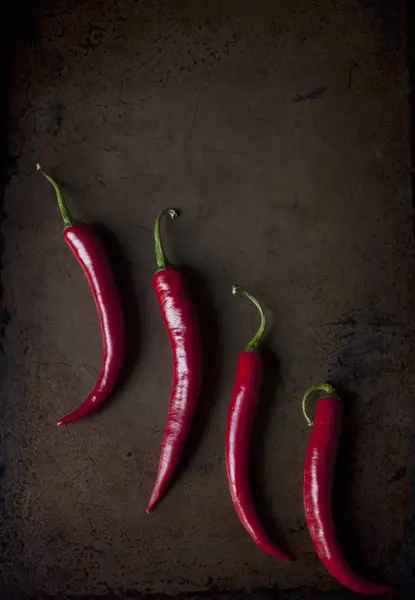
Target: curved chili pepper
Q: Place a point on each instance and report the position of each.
(244, 401)
(91, 255)
(318, 481)
(181, 322)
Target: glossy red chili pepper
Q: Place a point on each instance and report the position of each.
(318, 481)
(244, 401)
(181, 322)
(91, 255)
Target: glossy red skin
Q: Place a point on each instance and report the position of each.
(318, 481)
(91, 255)
(181, 322)
(244, 402)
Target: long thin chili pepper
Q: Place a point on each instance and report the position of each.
(318, 481)
(244, 401)
(91, 255)
(181, 322)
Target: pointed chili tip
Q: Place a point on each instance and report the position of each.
(65, 420)
(277, 553)
(286, 558)
(154, 499)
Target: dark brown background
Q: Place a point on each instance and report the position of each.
(281, 132)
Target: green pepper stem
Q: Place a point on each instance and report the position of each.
(320, 387)
(66, 215)
(254, 343)
(162, 262)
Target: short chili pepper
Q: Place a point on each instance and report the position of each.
(182, 326)
(244, 401)
(318, 481)
(91, 255)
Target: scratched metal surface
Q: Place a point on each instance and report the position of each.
(283, 137)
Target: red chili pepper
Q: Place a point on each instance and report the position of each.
(244, 401)
(181, 322)
(318, 481)
(91, 255)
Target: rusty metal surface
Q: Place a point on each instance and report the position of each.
(283, 137)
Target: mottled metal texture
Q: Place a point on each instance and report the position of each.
(281, 132)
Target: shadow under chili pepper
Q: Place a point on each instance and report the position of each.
(210, 332)
(271, 381)
(124, 280)
(344, 507)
